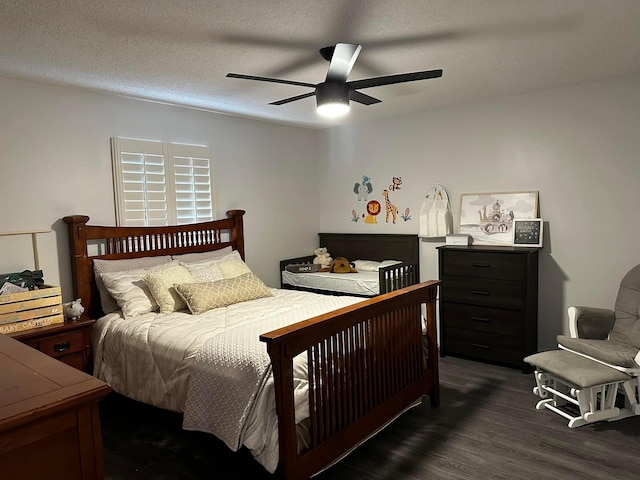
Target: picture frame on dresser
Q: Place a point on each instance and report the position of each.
(527, 232)
(488, 217)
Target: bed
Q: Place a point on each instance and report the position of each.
(366, 361)
(385, 262)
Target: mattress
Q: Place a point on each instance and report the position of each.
(199, 365)
(361, 283)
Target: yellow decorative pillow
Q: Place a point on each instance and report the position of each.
(233, 268)
(160, 283)
(204, 296)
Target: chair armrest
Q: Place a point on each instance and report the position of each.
(399, 275)
(589, 322)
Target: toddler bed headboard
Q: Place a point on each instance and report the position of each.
(89, 242)
(371, 246)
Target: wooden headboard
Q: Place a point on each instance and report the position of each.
(115, 243)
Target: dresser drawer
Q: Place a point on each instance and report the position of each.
(62, 344)
(488, 346)
(486, 292)
(483, 265)
(483, 319)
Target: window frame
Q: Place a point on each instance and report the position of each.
(197, 160)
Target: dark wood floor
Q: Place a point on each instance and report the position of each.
(486, 428)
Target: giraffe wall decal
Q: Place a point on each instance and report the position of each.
(390, 207)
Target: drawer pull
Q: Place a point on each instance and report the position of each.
(482, 265)
(479, 292)
(479, 345)
(480, 319)
(61, 347)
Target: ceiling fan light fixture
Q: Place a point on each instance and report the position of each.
(333, 109)
(332, 99)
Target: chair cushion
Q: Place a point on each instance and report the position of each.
(577, 371)
(607, 351)
(626, 329)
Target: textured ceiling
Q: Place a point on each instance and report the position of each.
(180, 51)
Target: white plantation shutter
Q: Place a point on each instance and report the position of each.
(192, 184)
(160, 183)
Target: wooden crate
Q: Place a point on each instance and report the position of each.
(32, 309)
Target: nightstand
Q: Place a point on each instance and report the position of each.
(69, 342)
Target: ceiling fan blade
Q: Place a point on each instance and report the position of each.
(293, 99)
(391, 79)
(342, 61)
(360, 97)
(268, 79)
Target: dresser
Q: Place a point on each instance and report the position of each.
(49, 417)
(489, 303)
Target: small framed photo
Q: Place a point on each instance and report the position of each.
(527, 232)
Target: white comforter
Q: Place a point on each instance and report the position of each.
(211, 366)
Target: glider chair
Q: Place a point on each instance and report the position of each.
(593, 376)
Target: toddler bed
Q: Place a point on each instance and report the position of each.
(334, 371)
(385, 262)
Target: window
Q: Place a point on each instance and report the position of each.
(159, 184)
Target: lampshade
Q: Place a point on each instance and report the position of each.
(332, 99)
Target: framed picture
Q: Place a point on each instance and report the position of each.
(488, 217)
(527, 232)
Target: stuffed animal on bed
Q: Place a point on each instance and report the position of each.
(340, 265)
(323, 257)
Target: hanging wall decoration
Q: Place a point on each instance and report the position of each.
(436, 219)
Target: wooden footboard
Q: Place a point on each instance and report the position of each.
(367, 364)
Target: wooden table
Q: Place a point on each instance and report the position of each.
(49, 417)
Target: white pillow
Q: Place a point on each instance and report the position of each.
(233, 255)
(200, 256)
(204, 271)
(107, 302)
(386, 263)
(367, 265)
(130, 291)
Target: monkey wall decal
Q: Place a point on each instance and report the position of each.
(395, 183)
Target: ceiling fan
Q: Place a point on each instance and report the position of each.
(334, 93)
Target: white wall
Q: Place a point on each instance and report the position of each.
(577, 146)
(54, 144)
